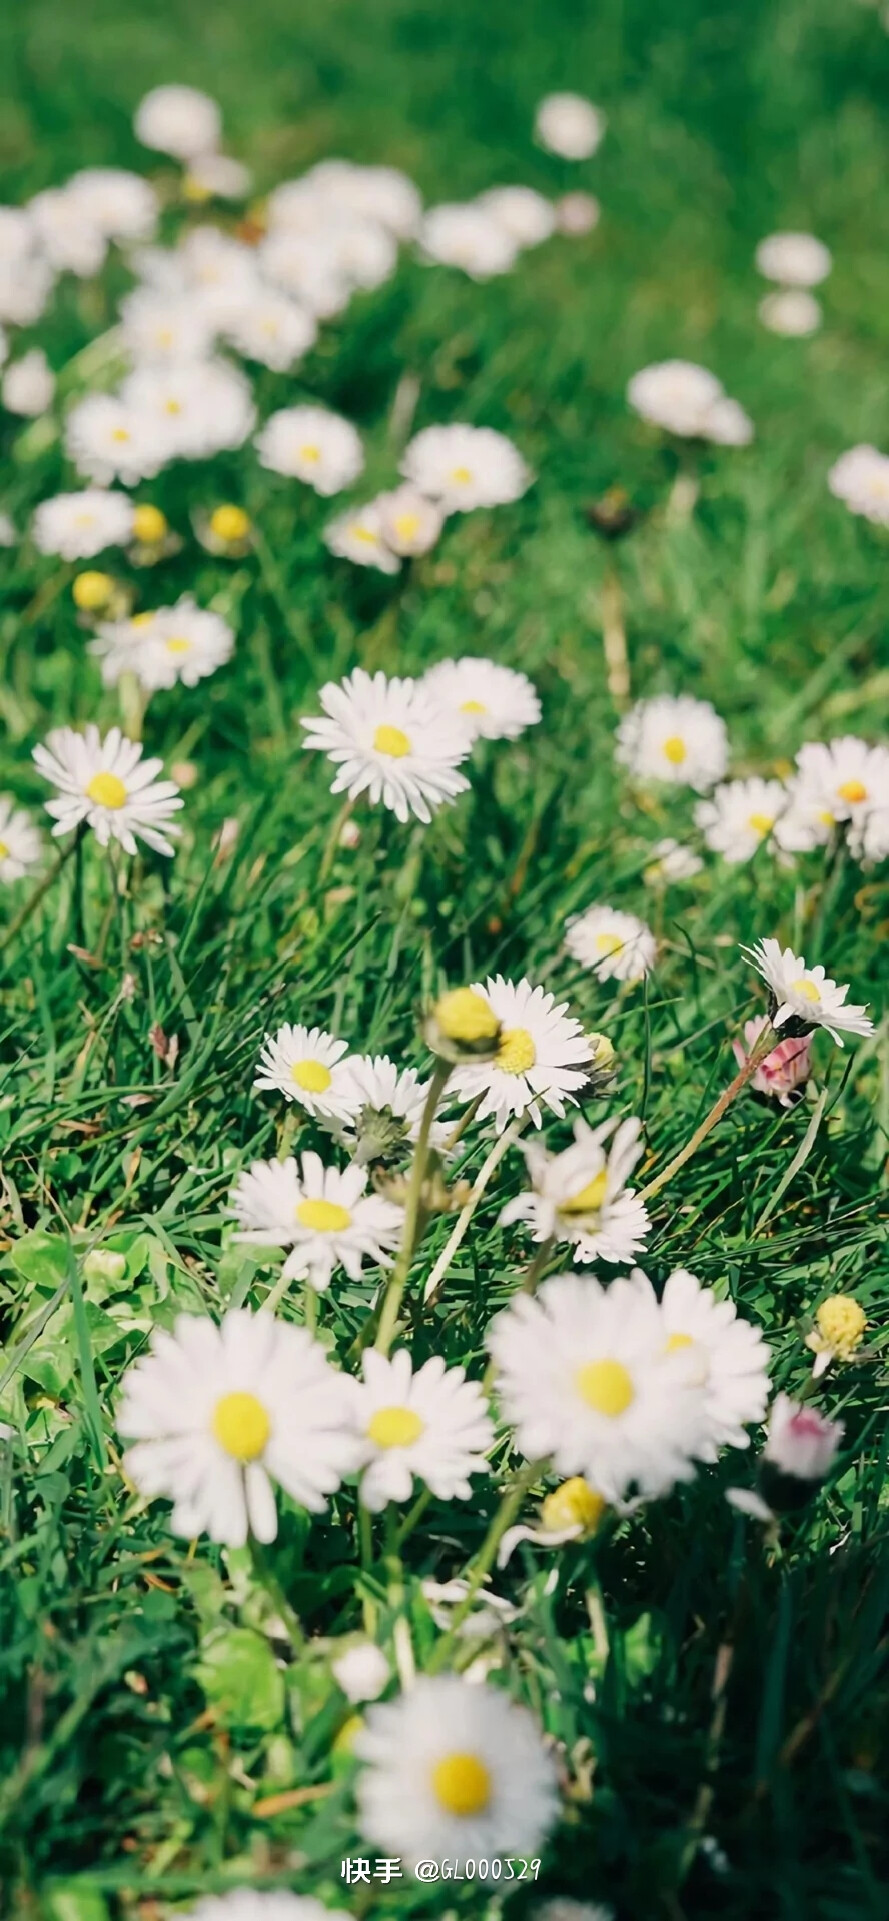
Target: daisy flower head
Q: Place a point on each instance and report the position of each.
(571, 1512)
(314, 445)
(842, 780)
(581, 1195)
(688, 400)
(584, 1376)
(79, 526)
(840, 1327)
(217, 1414)
(801, 1443)
(465, 467)
(791, 311)
(270, 327)
(111, 439)
(728, 1354)
(386, 1106)
(323, 1216)
(362, 1671)
(462, 1025)
(357, 535)
(569, 125)
(382, 194)
(70, 240)
(178, 120)
(28, 384)
(164, 327)
(20, 843)
(468, 235)
(805, 995)
(674, 738)
(432, 1426)
(793, 259)
(105, 783)
(409, 523)
(494, 702)
(543, 1056)
(179, 643)
(196, 408)
(784, 1072)
(670, 861)
(529, 218)
(216, 176)
(308, 1066)
(390, 740)
(454, 1768)
(861, 478)
(305, 266)
(739, 816)
(614, 945)
(121, 204)
(257, 1904)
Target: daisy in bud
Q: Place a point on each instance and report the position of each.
(432, 1426)
(675, 739)
(740, 816)
(784, 1072)
(454, 1768)
(217, 1414)
(793, 259)
(462, 1025)
(861, 478)
(572, 1512)
(604, 1056)
(357, 535)
(150, 527)
(581, 1195)
(543, 1057)
(362, 1671)
(79, 526)
(465, 467)
(791, 311)
(801, 1446)
(92, 592)
(840, 1327)
(256, 1904)
(690, 402)
(409, 523)
(386, 1108)
(728, 1354)
(613, 945)
(178, 120)
(569, 125)
(105, 783)
(308, 1066)
(323, 1216)
(181, 643)
(467, 235)
(804, 996)
(20, 843)
(226, 531)
(390, 740)
(494, 702)
(314, 445)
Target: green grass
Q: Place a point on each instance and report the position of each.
(135, 1739)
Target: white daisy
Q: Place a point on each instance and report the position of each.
(581, 1195)
(869, 838)
(674, 738)
(793, 259)
(314, 445)
(385, 1105)
(432, 1426)
(178, 120)
(79, 526)
(805, 994)
(528, 216)
(494, 702)
(728, 1353)
(362, 1672)
(465, 467)
(321, 1214)
(180, 643)
(305, 266)
(740, 815)
(383, 194)
(409, 523)
(217, 176)
(357, 535)
(271, 328)
(362, 251)
(468, 235)
(71, 241)
(172, 328)
(109, 439)
(569, 125)
(543, 1058)
(614, 945)
(584, 1376)
(841, 780)
(454, 1769)
(217, 1414)
(257, 1904)
(121, 204)
(577, 213)
(308, 1066)
(861, 478)
(687, 400)
(20, 843)
(791, 311)
(28, 384)
(728, 424)
(107, 784)
(390, 739)
(670, 861)
(196, 408)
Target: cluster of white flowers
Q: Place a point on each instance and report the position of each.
(797, 262)
(686, 400)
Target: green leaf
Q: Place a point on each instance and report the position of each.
(240, 1678)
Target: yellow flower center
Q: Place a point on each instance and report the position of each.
(164, 336)
(149, 524)
(310, 453)
(461, 474)
(107, 791)
(806, 988)
(678, 1341)
(323, 1217)
(91, 590)
(473, 707)
(461, 1784)
(4, 850)
(173, 406)
(229, 523)
(364, 534)
(394, 1427)
(120, 433)
(606, 1387)
(517, 1052)
(762, 823)
(574, 1504)
(675, 749)
(391, 742)
(312, 1076)
(609, 943)
(463, 1015)
(142, 620)
(852, 790)
(590, 1197)
(241, 1426)
(406, 525)
(841, 1322)
(177, 644)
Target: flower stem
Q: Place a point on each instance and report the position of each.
(510, 1504)
(767, 1040)
(401, 1267)
(499, 1150)
(269, 1580)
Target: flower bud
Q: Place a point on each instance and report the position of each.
(149, 524)
(799, 1450)
(840, 1326)
(463, 1026)
(574, 1504)
(91, 591)
(784, 1072)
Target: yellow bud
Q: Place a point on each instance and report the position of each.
(574, 1504)
(91, 591)
(229, 523)
(464, 1015)
(149, 524)
(841, 1323)
(343, 1741)
(602, 1051)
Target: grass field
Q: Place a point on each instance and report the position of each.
(148, 1721)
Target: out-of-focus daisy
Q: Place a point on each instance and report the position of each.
(409, 523)
(562, 1908)
(869, 837)
(670, 861)
(385, 1106)
(584, 1375)
(68, 237)
(840, 1327)
(28, 384)
(272, 329)
(791, 311)
(572, 1512)
(314, 445)
(494, 702)
(433, 1426)
(217, 1414)
(581, 1195)
(861, 478)
(793, 259)
(543, 1056)
(784, 1072)
(322, 1215)
(740, 815)
(216, 176)
(674, 738)
(801, 1442)
(308, 1066)
(614, 945)
(195, 408)
(842, 778)
(383, 194)
(467, 235)
(178, 120)
(79, 526)
(357, 535)
(390, 739)
(454, 1769)
(569, 125)
(362, 1671)
(170, 328)
(121, 204)
(20, 843)
(305, 266)
(465, 467)
(728, 425)
(805, 995)
(226, 531)
(689, 401)
(180, 643)
(107, 784)
(527, 215)
(111, 439)
(727, 1353)
(577, 213)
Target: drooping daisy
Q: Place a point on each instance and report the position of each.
(791, 311)
(314, 445)
(357, 535)
(28, 384)
(385, 1106)
(178, 120)
(432, 1426)
(217, 1414)
(728, 1353)
(527, 215)
(842, 778)
(670, 861)
(309, 1066)
(572, 1512)
(111, 439)
(409, 523)
(740, 816)
(674, 738)
(272, 329)
(614, 945)
(494, 702)
(454, 1769)
(107, 784)
(584, 1376)
(805, 995)
(20, 843)
(322, 1215)
(465, 467)
(581, 1195)
(689, 401)
(861, 478)
(793, 259)
(569, 125)
(180, 643)
(467, 235)
(543, 1057)
(79, 526)
(784, 1072)
(390, 739)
